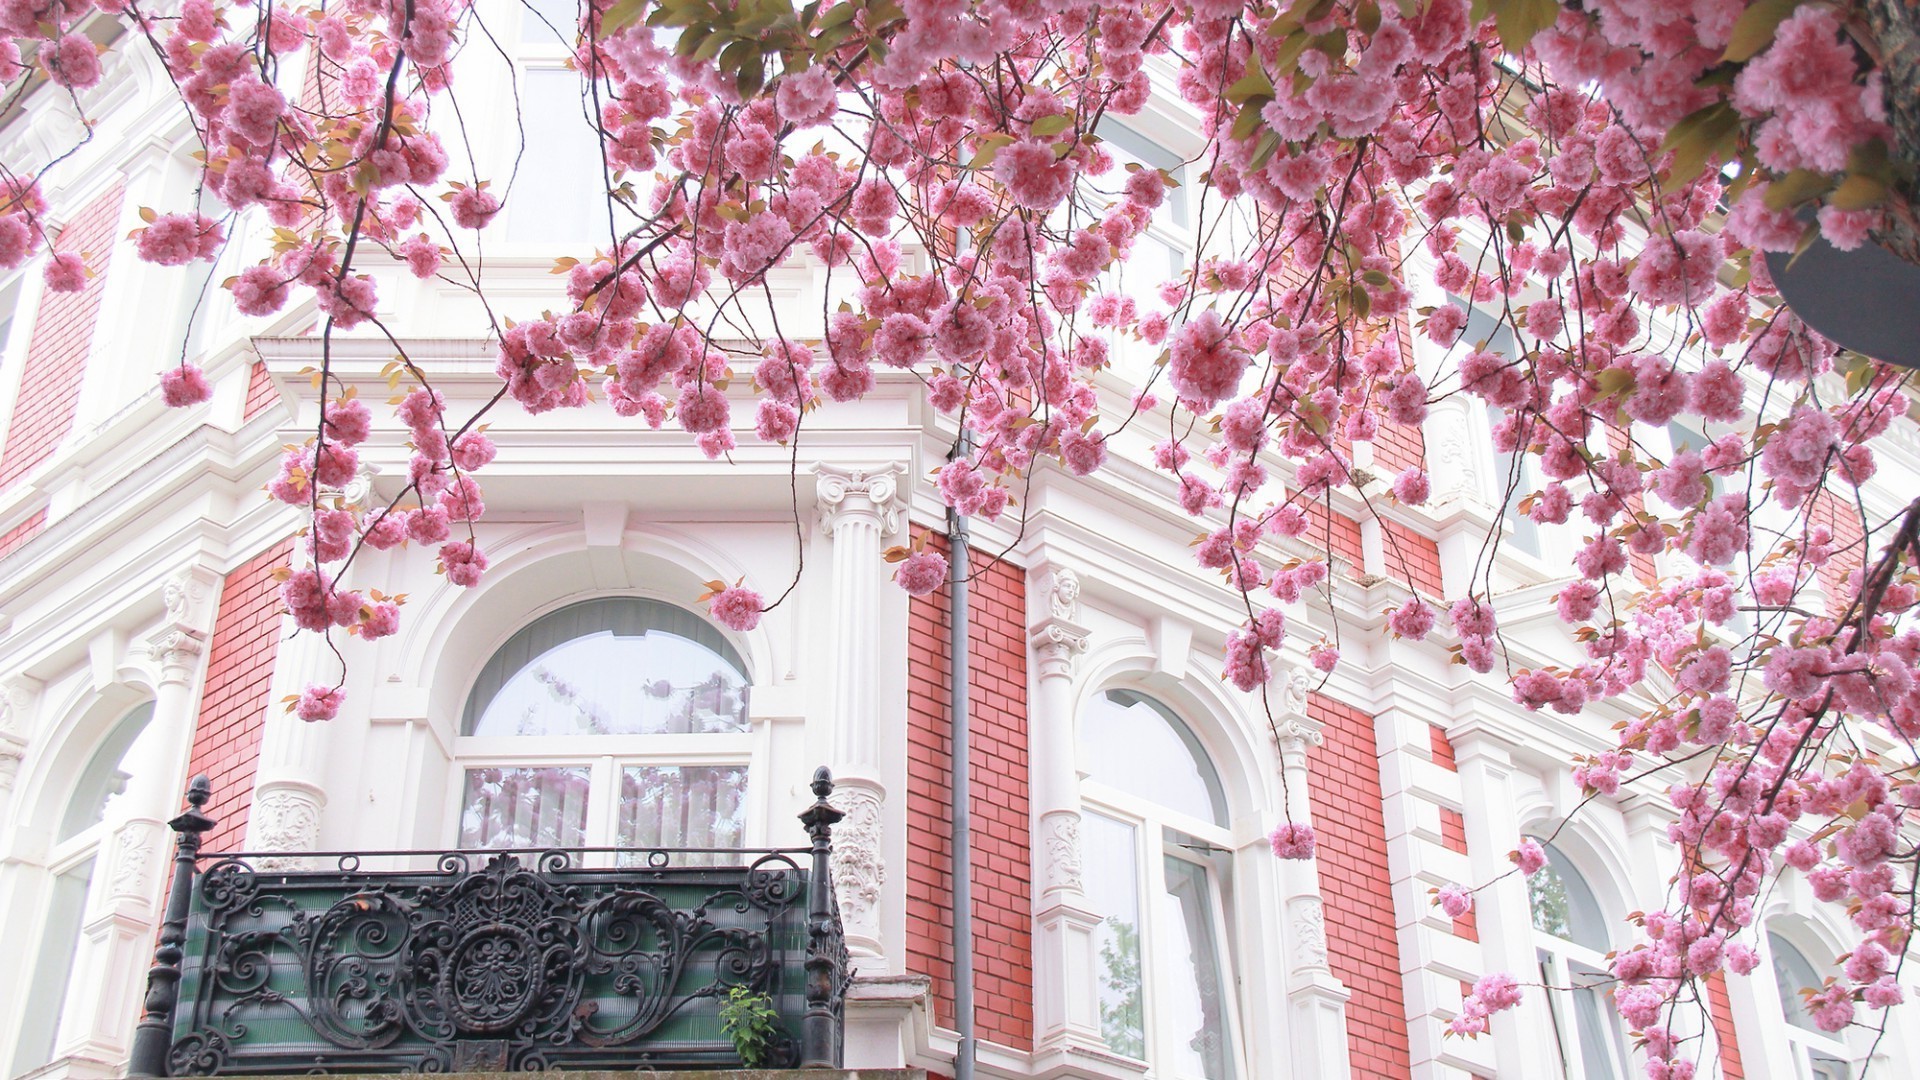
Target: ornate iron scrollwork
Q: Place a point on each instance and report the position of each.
(505, 966)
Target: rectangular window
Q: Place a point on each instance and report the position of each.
(681, 806)
(525, 807)
(1112, 881)
(59, 942)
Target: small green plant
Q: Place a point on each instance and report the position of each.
(747, 1017)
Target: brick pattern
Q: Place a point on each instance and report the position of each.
(1848, 545)
(22, 532)
(226, 741)
(62, 336)
(1411, 557)
(1467, 926)
(1002, 858)
(1398, 447)
(260, 391)
(1442, 748)
(1731, 1067)
(1333, 533)
(1362, 948)
(1453, 830)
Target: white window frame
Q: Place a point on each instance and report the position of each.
(1560, 961)
(1153, 825)
(1804, 1043)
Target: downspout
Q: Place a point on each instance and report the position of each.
(962, 846)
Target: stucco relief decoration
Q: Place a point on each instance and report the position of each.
(1308, 921)
(285, 820)
(1062, 832)
(871, 494)
(1063, 594)
(134, 852)
(859, 868)
(16, 710)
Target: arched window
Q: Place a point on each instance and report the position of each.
(1817, 1055)
(1571, 941)
(79, 844)
(1154, 832)
(612, 722)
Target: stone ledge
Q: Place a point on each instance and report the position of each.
(655, 1074)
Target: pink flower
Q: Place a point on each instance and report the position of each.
(1455, 900)
(736, 608)
(1529, 857)
(422, 255)
(921, 572)
(73, 62)
(1324, 658)
(66, 273)
(463, 562)
(1412, 620)
(1412, 487)
(259, 290)
(473, 207)
(1292, 840)
(177, 239)
(382, 620)
(1205, 365)
(319, 703)
(808, 98)
(184, 385)
(1033, 174)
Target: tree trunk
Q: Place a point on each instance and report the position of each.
(1896, 31)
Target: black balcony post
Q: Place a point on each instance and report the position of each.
(820, 1034)
(154, 1036)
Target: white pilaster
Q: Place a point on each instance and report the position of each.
(1316, 999)
(1066, 1006)
(289, 789)
(859, 509)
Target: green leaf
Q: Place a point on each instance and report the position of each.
(1253, 84)
(1798, 186)
(1048, 126)
(987, 148)
(1519, 20)
(1263, 150)
(1248, 121)
(622, 14)
(1753, 30)
(1698, 138)
(1859, 192)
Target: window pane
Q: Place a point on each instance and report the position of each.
(1195, 1004)
(619, 666)
(525, 808)
(683, 806)
(1601, 1051)
(1563, 905)
(1550, 977)
(1113, 888)
(106, 775)
(1136, 744)
(559, 193)
(1830, 1068)
(1793, 973)
(59, 942)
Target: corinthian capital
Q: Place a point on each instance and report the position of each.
(177, 651)
(863, 495)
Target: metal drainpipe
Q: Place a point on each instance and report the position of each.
(962, 797)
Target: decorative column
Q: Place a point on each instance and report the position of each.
(1485, 761)
(17, 699)
(859, 510)
(1316, 999)
(289, 790)
(1065, 978)
(117, 934)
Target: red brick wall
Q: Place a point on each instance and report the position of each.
(57, 356)
(22, 532)
(1361, 945)
(1411, 558)
(260, 391)
(1848, 546)
(226, 742)
(1002, 860)
(1731, 1067)
(1398, 447)
(1333, 533)
(1442, 748)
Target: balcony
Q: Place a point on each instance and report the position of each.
(493, 961)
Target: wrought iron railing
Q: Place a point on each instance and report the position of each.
(489, 961)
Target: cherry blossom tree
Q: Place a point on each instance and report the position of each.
(1597, 180)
